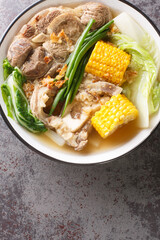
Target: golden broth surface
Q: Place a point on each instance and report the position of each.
(96, 143)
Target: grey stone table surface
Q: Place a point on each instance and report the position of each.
(47, 200)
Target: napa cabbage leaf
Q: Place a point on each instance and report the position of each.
(144, 91)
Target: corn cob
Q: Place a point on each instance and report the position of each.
(116, 112)
(108, 62)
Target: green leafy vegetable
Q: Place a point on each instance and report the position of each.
(139, 90)
(154, 98)
(7, 68)
(7, 99)
(150, 45)
(16, 101)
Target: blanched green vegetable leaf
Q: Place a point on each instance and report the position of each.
(17, 103)
(7, 69)
(19, 79)
(7, 99)
(140, 89)
(154, 98)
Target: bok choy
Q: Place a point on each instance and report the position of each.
(16, 101)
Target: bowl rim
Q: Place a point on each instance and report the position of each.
(33, 148)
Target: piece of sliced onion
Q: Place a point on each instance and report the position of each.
(55, 137)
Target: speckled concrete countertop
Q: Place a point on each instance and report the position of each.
(44, 200)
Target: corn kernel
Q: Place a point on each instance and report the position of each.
(108, 62)
(116, 112)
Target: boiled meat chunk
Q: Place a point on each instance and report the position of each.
(39, 100)
(57, 50)
(19, 51)
(28, 31)
(53, 70)
(69, 23)
(74, 124)
(93, 92)
(36, 18)
(35, 66)
(100, 13)
(82, 138)
(77, 140)
(73, 130)
(42, 19)
(43, 23)
(101, 88)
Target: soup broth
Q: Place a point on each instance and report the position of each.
(96, 143)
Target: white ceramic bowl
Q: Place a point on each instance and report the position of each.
(43, 147)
